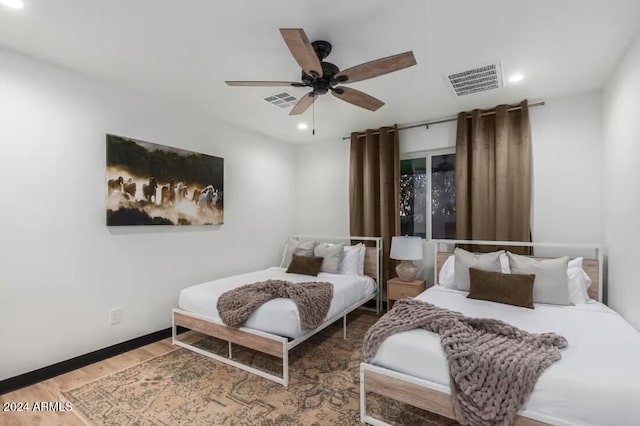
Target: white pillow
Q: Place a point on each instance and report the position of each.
(504, 264)
(579, 282)
(353, 260)
(288, 250)
(445, 277)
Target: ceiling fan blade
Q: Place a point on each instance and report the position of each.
(302, 50)
(377, 67)
(264, 83)
(357, 98)
(305, 102)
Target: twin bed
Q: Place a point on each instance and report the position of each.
(597, 381)
(274, 328)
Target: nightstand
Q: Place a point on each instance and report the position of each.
(397, 289)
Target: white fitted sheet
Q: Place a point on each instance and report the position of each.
(597, 381)
(278, 316)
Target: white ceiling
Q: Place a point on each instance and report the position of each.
(183, 51)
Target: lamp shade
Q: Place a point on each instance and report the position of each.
(406, 248)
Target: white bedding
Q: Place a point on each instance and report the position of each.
(278, 316)
(597, 381)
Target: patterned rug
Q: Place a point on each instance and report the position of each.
(184, 388)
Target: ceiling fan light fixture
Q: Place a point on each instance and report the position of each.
(14, 4)
(303, 126)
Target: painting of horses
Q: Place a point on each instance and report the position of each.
(151, 184)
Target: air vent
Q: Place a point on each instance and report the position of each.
(282, 99)
(476, 80)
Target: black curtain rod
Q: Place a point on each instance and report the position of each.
(447, 120)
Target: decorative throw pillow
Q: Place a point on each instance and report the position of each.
(551, 284)
(511, 289)
(447, 272)
(305, 265)
(332, 256)
(465, 260)
(293, 246)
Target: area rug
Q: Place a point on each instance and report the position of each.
(184, 388)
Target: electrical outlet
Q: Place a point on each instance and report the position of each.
(115, 316)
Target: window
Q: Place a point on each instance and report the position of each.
(443, 196)
(413, 197)
(428, 195)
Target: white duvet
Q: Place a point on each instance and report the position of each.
(278, 316)
(597, 381)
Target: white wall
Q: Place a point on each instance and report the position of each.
(621, 202)
(567, 172)
(436, 136)
(322, 189)
(61, 268)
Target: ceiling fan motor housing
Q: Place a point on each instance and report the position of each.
(322, 48)
(322, 85)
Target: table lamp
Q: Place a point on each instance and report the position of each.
(406, 249)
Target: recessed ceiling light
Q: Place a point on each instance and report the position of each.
(14, 4)
(303, 126)
(516, 78)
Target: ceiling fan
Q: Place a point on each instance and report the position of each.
(323, 77)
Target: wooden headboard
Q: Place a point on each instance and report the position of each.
(371, 258)
(591, 266)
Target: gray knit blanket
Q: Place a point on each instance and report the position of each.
(312, 298)
(493, 366)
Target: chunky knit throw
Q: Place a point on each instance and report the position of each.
(312, 298)
(493, 366)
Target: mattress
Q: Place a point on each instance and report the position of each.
(278, 316)
(597, 381)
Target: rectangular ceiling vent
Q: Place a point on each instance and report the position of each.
(282, 99)
(476, 80)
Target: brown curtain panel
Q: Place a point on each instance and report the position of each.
(493, 175)
(374, 188)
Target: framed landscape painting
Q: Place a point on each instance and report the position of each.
(151, 184)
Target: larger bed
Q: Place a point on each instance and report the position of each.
(597, 381)
(275, 327)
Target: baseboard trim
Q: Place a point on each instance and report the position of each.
(23, 380)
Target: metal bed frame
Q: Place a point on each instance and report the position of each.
(432, 396)
(261, 341)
